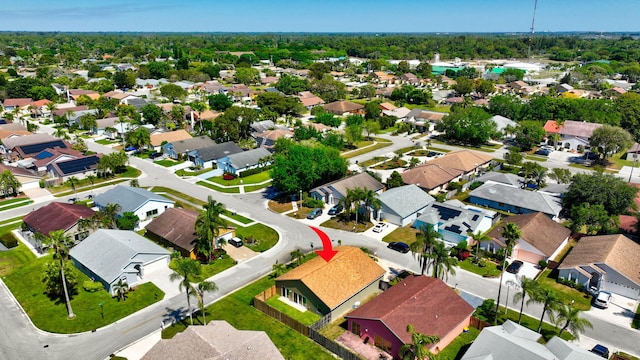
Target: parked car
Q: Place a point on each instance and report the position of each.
(543, 152)
(379, 227)
(399, 246)
(602, 300)
(235, 241)
(155, 155)
(515, 267)
(601, 351)
(314, 213)
(336, 210)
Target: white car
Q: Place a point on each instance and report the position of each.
(602, 300)
(379, 227)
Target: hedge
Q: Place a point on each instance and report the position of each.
(9, 240)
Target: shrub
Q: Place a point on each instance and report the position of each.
(312, 203)
(542, 264)
(454, 185)
(254, 171)
(486, 311)
(41, 183)
(92, 286)
(475, 185)
(228, 176)
(9, 240)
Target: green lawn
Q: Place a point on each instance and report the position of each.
(162, 189)
(106, 142)
(84, 184)
(636, 319)
(548, 330)
(167, 162)
(6, 202)
(7, 221)
(189, 172)
(566, 294)
(208, 270)
(381, 144)
(51, 315)
(391, 164)
(16, 204)
(405, 234)
(237, 310)
(237, 217)
(233, 190)
(251, 179)
(536, 158)
(267, 236)
(372, 161)
(489, 270)
(252, 188)
(452, 351)
(13, 259)
(307, 317)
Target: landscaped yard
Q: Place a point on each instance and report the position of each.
(566, 294)
(281, 205)
(237, 310)
(340, 223)
(208, 270)
(190, 172)
(382, 143)
(84, 184)
(405, 234)
(236, 217)
(167, 162)
(51, 315)
(106, 142)
(251, 179)
(266, 236)
(461, 343)
(490, 269)
(391, 164)
(231, 190)
(13, 259)
(307, 317)
(161, 189)
(14, 203)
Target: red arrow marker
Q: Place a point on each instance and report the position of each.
(327, 251)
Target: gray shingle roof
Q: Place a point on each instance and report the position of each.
(405, 200)
(502, 122)
(129, 198)
(219, 151)
(532, 200)
(340, 187)
(199, 142)
(504, 178)
(248, 158)
(108, 252)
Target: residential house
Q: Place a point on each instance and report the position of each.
(574, 135)
(74, 94)
(57, 216)
(563, 88)
(262, 126)
(26, 151)
(424, 120)
(516, 200)
(109, 256)
(176, 149)
(513, 341)
(427, 303)
(175, 228)
(410, 79)
(160, 138)
(542, 238)
(103, 124)
(386, 106)
(433, 178)
(343, 107)
(206, 157)
(382, 77)
(402, 205)
(399, 113)
(11, 143)
(79, 167)
(74, 117)
(246, 160)
(39, 162)
(27, 179)
(67, 110)
(121, 96)
(268, 138)
(332, 192)
(502, 122)
(39, 108)
(136, 102)
(334, 287)
(309, 100)
(454, 221)
(503, 178)
(632, 153)
(605, 262)
(239, 92)
(10, 105)
(144, 203)
(217, 340)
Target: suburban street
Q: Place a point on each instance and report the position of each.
(21, 340)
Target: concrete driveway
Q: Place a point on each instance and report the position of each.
(160, 278)
(621, 311)
(239, 254)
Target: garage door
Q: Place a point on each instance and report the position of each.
(615, 288)
(156, 265)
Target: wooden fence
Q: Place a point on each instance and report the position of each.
(339, 350)
(479, 324)
(259, 302)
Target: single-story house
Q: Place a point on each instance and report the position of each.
(103, 124)
(516, 200)
(402, 205)
(246, 160)
(175, 228)
(179, 148)
(427, 303)
(80, 167)
(109, 256)
(268, 138)
(332, 192)
(342, 107)
(513, 341)
(158, 138)
(74, 94)
(632, 153)
(217, 340)
(58, 216)
(10, 143)
(454, 221)
(433, 178)
(27, 179)
(574, 135)
(605, 262)
(332, 287)
(309, 100)
(503, 178)
(144, 203)
(502, 122)
(467, 161)
(206, 157)
(542, 238)
(424, 120)
(119, 95)
(11, 104)
(33, 149)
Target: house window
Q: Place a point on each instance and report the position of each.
(284, 292)
(383, 344)
(152, 212)
(299, 299)
(355, 328)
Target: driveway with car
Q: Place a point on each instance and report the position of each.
(620, 311)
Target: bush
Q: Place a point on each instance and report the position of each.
(92, 286)
(9, 240)
(41, 183)
(454, 185)
(254, 171)
(486, 311)
(542, 264)
(475, 185)
(228, 176)
(571, 284)
(313, 203)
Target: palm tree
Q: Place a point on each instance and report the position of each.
(121, 288)
(201, 289)
(209, 222)
(92, 180)
(548, 298)
(418, 347)
(279, 269)
(185, 268)
(59, 243)
(72, 182)
(478, 238)
(108, 216)
(371, 201)
(572, 320)
(442, 261)
(297, 256)
(204, 247)
(526, 286)
(423, 246)
(355, 196)
(510, 233)
(9, 184)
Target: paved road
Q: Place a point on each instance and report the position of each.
(20, 340)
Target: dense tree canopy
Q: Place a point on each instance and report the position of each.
(469, 126)
(613, 193)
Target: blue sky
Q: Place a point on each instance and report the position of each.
(319, 15)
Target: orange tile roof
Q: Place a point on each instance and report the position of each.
(158, 138)
(429, 176)
(551, 126)
(464, 160)
(334, 282)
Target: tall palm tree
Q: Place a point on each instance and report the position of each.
(371, 201)
(423, 246)
(510, 233)
(526, 287)
(121, 288)
(72, 182)
(478, 238)
(108, 216)
(184, 269)
(572, 320)
(442, 261)
(549, 300)
(297, 256)
(59, 243)
(418, 347)
(209, 221)
(355, 196)
(201, 289)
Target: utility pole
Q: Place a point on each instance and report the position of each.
(533, 21)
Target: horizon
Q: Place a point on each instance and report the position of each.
(329, 16)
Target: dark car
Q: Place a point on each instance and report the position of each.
(314, 213)
(544, 152)
(130, 148)
(399, 246)
(155, 155)
(515, 267)
(336, 210)
(235, 241)
(601, 351)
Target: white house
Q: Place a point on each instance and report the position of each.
(144, 203)
(402, 205)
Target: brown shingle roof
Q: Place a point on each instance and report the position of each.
(56, 216)
(342, 106)
(429, 176)
(275, 134)
(11, 143)
(427, 303)
(17, 102)
(617, 251)
(177, 226)
(537, 229)
(362, 180)
(63, 111)
(464, 160)
(158, 138)
(334, 282)
(578, 128)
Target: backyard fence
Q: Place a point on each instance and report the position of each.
(259, 302)
(339, 350)
(478, 324)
